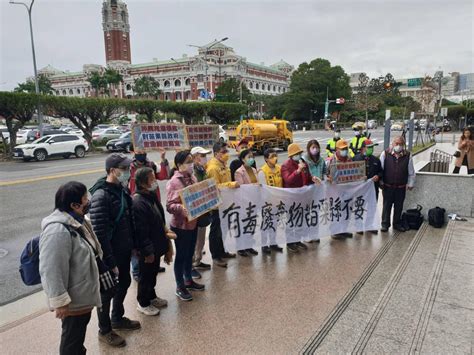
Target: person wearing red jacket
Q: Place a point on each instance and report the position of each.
(140, 160)
(294, 174)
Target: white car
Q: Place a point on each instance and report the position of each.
(222, 135)
(22, 136)
(63, 145)
(106, 134)
(5, 134)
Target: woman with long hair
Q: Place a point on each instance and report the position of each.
(466, 149)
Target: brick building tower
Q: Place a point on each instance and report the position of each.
(116, 31)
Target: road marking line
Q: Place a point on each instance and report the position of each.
(50, 177)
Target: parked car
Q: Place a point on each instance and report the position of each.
(34, 133)
(52, 145)
(22, 136)
(222, 134)
(103, 126)
(5, 133)
(372, 124)
(123, 143)
(397, 126)
(106, 134)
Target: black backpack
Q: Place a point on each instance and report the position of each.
(413, 218)
(436, 217)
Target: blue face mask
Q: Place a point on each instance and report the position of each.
(250, 161)
(124, 177)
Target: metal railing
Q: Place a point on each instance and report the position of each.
(439, 161)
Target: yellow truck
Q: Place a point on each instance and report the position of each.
(263, 134)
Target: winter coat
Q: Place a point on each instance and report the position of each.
(219, 172)
(466, 147)
(242, 176)
(149, 221)
(68, 265)
(116, 239)
(163, 174)
(174, 204)
(291, 177)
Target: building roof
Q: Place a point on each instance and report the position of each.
(158, 62)
(264, 67)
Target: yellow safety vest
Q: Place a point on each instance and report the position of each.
(273, 177)
(356, 144)
(331, 147)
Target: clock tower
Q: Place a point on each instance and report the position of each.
(116, 31)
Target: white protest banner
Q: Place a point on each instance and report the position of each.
(253, 215)
(200, 198)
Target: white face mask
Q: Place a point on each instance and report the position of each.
(296, 157)
(123, 177)
(336, 135)
(153, 186)
(398, 148)
(343, 153)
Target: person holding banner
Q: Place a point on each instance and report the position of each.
(246, 174)
(140, 160)
(373, 167)
(341, 155)
(185, 230)
(294, 174)
(200, 161)
(152, 238)
(218, 170)
(270, 174)
(398, 176)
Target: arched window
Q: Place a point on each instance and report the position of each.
(71, 92)
(78, 91)
(167, 96)
(58, 93)
(274, 88)
(177, 83)
(129, 87)
(257, 86)
(251, 85)
(167, 84)
(64, 92)
(178, 96)
(263, 86)
(279, 89)
(187, 95)
(187, 82)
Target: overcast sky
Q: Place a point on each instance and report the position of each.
(405, 37)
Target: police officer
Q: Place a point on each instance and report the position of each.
(356, 142)
(331, 146)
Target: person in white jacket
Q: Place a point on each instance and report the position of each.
(68, 265)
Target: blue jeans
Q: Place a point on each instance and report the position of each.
(185, 244)
(135, 266)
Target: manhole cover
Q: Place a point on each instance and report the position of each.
(3, 252)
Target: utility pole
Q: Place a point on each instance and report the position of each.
(37, 91)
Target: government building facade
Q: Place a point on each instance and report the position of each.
(180, 79)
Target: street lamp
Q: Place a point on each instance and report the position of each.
(182, 83)
(29, 9)
(205, 56)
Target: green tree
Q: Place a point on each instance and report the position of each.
(29, 86)
(147, 87)
(229, 91)
(97, 82)
(84, 113)
(17, 109)
(309, 85)
(113, 78)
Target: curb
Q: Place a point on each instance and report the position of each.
(424, 148)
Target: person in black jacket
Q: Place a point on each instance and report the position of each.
(373, 166)
(111, 217)
(237, 163)
(152, 239)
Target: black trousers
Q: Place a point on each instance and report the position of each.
(392, 197)
(116, 298)
(216, 245)
(147, 283)
(73, 334)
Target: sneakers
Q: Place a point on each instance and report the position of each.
(194, 286)
(301, 246)
(292, 248)
(242, 253)
(183, 294)
(252, 251)
(276, 248)
(219, 262)
(126, 324)
(266, 250)
(228, 255)
(112, 339)
(159, 302)
(203, 266)
(195, 274)
(149, 310)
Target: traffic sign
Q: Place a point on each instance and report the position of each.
(340, 101)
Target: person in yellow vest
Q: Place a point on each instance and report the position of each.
(331, 146)
(218, 170)
(356, 142)
(270, 174)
